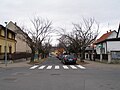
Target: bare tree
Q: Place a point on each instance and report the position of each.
(82, 35)
(86, 33)
(64, 42)
(46, 47)
(39, 33)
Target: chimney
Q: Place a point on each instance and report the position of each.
(110, 30)
(15, 23)
(107, 31)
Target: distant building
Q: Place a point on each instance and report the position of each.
(11, 42)
(21, 45)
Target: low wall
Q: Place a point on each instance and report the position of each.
(15, 56)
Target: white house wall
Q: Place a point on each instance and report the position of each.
(113, 46)
(119, 35)
(98, 51)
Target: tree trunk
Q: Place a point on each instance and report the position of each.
(33, 54)
(82, 57)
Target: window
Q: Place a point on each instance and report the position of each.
(103, 50)
(10, 35)
(13, 36)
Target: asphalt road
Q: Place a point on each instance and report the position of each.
(94, 77)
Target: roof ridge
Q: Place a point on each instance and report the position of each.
(105, 36)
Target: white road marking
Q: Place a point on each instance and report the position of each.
(35, 66)
(42, 67)
(57, 67)
(65, 67)
(49, 67)
(80, 66)
(73, 67)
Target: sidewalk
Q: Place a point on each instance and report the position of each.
(97, 64)
(101, 65)
(17, 63)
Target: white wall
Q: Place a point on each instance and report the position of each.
(21, 45)
(98, 48)
(119, 35)
(113, 46)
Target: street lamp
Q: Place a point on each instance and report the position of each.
(6, 44)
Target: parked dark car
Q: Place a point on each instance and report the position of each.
(69, 59)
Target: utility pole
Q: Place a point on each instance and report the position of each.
(6, 44)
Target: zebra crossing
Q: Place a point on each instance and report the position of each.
(57, 67)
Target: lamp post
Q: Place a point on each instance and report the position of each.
(6, 44)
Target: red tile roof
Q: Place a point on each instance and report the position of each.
(104, 36)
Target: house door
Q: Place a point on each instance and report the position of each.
(90, 56)
(10, 49)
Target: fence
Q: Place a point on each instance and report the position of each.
(104, 56)
(15, 56)
(20, 55)
(115, 55)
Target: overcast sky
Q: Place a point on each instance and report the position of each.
(62, 12)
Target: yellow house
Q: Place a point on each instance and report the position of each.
(11, 42)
